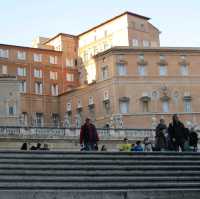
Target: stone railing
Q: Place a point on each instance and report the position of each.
(64, 133)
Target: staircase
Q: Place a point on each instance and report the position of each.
(98, 175)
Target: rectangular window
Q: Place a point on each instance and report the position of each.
(11, 110)
(4, 70)
(4, 53)
(104, 73)
(163, 70)
(165, 106)
(54, 90)
(123, 106)
(184, 70)
(145, 43)
(21, 55)
(162, 57)
(187, 106)
(145, 106)
(69, 63)
(135, 43)
(53, 60)
(142, 70)
(37, 57)
(38, 88)
(39, 119)
(21, 71)
(37, 73)
(141, 57)
(70, 77)
(121, 69)
(53, 75)
(22, 87)
(55, 119)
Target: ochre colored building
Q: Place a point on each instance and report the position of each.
(115, 73)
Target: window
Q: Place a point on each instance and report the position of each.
(4, 53)
(24, 119)
(53, 75)
(22, 87)
(121, 69)
(70, 77)
(37, 73)
(21, 71)
(21, 55)
(135, 42)
(4, 70)
(69, 63)
(123, 106)
(184, 70)
(54, 90)
(163, 70)
(37, 57)
(55, 119)
(39, 119)
(145, 43)
(187, 105)
(165, 106)
(142, 70)
(104, 73)
(162, 57)
(53, 60)
(11, 110)
(141, 57)
(69, 106)
(91, 100)
(38, 88)
(145, 106)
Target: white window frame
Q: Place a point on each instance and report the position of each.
(22, 87)
(142, 70)
(163, 70)
(121, 70)
(187, 106)
(37, 57)
(135, 43)
(124, 107)
(104, 72)
(70, 77)
(4, 53)
(4, 69)
(184, 70)
(21, 71)
(146, 43)
(53, 59)
(38, 88)
(21, 55)
(54, 89)
(53, 75)
(37, 73)
(165, 106)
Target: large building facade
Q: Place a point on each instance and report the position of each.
(115, 73)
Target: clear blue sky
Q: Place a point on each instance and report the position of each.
(22, 20)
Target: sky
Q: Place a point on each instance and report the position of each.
(23, 20)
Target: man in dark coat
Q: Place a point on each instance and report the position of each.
(176, 132)
(89, 136)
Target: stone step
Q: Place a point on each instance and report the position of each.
(105, 179)
(71, 173)
(97, 162)
(96, 186)
(99, 167)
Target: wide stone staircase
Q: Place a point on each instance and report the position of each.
(96, 175)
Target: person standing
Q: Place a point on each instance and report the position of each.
(160, 139)
(89, 136)
(176, 131)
